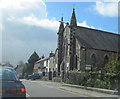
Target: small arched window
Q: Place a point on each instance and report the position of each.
(106, 59)
(93, 58)
(93, 61)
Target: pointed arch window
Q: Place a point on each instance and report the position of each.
(106, 59)
(93, 61)
(93, 58)
(119, 58)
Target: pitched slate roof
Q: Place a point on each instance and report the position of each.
(97, 39)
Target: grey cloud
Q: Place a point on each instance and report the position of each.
(20, 40)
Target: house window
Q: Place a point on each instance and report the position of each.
(54, 60)
(46, 62)
(46, 69)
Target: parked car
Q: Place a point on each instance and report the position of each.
(35, 76)
(10, 85)
(29, 77)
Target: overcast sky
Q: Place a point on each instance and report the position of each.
(32, 25)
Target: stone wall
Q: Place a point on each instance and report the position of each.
(52, 63)
(56, 60)
(100, 57)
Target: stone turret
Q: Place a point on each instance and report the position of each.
(60, 43)
(73, 25)
(73, 21)
(61, 27)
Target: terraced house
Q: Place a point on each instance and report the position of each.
(84, 49)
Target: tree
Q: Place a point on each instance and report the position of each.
(20, 63)
(28, 67)
(24, 69)
(112, 70)
(33, 58)
(42, 57)
(113, 67)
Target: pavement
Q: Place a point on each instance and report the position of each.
(53, 89)
(91, 92)
(113, 92)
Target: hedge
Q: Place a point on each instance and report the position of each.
(93, 79)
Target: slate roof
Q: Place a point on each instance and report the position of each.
(97, 39)
(47, 58)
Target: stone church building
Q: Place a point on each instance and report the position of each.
(80, 48)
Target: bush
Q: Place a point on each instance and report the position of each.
(68, 81)
(112, 72)
(99, 83)
(93, 79)
(90, 82)
(78, 78)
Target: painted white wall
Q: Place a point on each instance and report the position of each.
(46, 64)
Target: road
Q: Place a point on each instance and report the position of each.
(38, 88)
(47, 89)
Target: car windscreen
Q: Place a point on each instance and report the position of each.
(8, 74)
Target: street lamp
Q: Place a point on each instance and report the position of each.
(84, 49)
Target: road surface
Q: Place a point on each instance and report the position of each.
(38, 88)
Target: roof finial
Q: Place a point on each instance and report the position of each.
(61, 27)
(62, 19)
(73, 9)
(73, 21)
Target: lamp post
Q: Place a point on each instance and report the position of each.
(84, 49)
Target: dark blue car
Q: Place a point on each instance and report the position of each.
(34, 76)
(10, 85)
